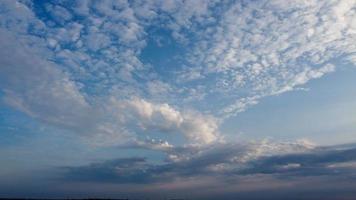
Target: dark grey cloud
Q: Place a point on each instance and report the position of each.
(224, 161)
(226, 171)
(118, 170)
(323, 161)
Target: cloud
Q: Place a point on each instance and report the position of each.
(51, 81)
(233, 170)
(79, 67)
(39, 89)
(328, 161)
(195, 127)
(35, 87)
(82, 70)
(119, 170)
(263, 48)
(220, 159)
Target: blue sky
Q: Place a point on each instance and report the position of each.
(164, 98)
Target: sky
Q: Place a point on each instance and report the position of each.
(163, 99)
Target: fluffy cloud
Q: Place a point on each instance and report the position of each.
(197, 128)
(57, 92)
(78, 65)
(265, 48)
(39, 89)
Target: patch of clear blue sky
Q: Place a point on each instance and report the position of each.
(325, 113)
(15, 126)
(162, 52)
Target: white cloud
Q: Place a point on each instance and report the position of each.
(36, 87)
(83, 69)
(59, 13)
(231, 155)
(195, 127)
(153, 144)
(270, 47)
(240, 105)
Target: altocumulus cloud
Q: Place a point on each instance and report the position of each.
(76, 65)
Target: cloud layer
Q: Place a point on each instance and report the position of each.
(80, 67)
(239, 168)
